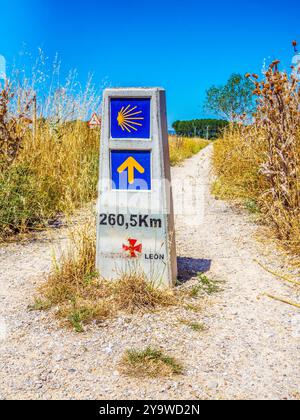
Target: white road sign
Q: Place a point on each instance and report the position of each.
(135, 227)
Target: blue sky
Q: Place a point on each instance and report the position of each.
(183, 46)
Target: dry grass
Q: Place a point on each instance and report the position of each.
(237, 163)
(66, 166)
(135, 292)
(44, 172)
(80, 297)
(150, 362)
(182, 148)
(296, 395)
(260, 164)
(282, 300)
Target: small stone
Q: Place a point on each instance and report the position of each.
(109, 349)
(213, 385)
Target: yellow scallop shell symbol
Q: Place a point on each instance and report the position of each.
(130, 118)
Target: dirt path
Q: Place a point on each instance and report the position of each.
(250, 349)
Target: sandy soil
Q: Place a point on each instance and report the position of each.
(250, 348)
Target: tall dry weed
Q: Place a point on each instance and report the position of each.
(261, 161)
(13, 127)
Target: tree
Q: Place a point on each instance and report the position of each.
(231, 100)
(210, 129)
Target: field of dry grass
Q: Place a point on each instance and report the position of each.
(50, 175)
(48, 156)
(182, 148)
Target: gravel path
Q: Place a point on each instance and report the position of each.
(250, 348)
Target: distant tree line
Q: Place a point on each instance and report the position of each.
(205, 128)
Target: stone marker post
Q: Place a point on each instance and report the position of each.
(135, 221)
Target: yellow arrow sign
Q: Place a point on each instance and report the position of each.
(131, 164)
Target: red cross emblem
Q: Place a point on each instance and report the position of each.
(133, 248)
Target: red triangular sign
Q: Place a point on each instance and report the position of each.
(95, 120)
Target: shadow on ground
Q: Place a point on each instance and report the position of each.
(189, 268)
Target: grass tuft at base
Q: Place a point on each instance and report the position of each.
(80, 296)
(150, 362)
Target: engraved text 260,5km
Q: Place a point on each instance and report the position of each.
(126, 221)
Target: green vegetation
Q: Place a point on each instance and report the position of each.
(193, 308)
(195, 326)
(232, 100)
(209, 129)
(149, 363)
(205, 285)
(39, 305)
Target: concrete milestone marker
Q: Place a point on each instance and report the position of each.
(135, 224)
